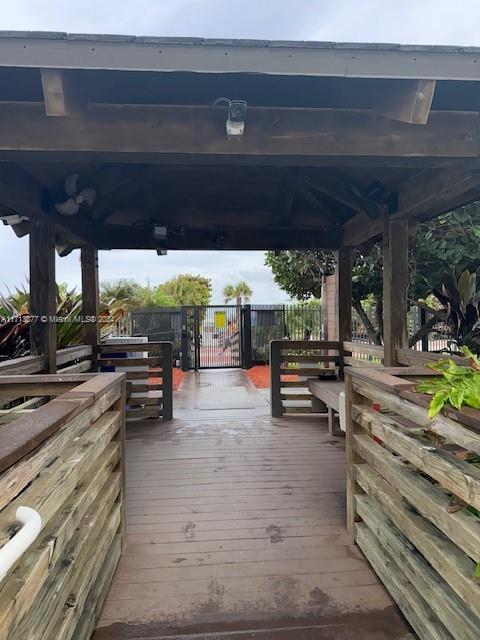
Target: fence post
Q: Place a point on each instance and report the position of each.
(423, 321)
(184, 340)
(247, 336)
(275, 385)
(167, 378)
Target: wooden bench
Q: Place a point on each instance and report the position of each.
(302, 370)
(326, 395)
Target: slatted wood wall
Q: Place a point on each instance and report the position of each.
(292, 362)
(66, 461)
(149, 377)
(413, 498)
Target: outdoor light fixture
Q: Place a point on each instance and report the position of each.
(162, 252)
(159, 232)
(237, 114)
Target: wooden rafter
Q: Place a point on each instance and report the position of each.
(425, 194)
(20, 192)
(55, 92)
(410, 102)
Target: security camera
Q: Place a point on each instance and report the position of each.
(237, 114)
(10, 219)
(159, 232)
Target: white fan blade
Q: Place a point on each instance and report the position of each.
(89, 195)
(68, 208)
(71, 184)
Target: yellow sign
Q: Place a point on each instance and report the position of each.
(220, 319)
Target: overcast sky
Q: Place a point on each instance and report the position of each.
(405, 21)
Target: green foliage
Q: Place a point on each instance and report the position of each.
(300, 273)
(240, 292)
(187, 289)
(154, 297)
(446, 244)
(123, 289)
(459, 385)
(302, 321)
(14, 334)
(460, 299)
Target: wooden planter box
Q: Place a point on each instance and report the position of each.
(65, 460)
(403, 470)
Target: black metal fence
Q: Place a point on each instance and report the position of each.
(275, 322)
(436, 339)
(200, 341)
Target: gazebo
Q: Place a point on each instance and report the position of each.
(120, 142)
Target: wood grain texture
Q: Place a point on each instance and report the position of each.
(234, 522)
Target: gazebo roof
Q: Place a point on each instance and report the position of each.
(337, 136)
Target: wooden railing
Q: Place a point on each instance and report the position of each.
(64, 460)
(292, 362)
(413, 499)
(358, 354)
(149, 377)
(76, 359)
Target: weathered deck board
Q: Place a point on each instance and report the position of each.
(238, 524)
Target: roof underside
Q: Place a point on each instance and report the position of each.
(336, 137)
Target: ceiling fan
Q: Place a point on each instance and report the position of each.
(76, 198)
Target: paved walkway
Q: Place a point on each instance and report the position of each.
(236, 528)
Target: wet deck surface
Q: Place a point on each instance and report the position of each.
(236, 528)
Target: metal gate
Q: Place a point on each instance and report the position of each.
(211, 337)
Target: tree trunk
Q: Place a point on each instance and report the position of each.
(372, 332)
(423, 331)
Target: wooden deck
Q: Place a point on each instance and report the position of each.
(236, 528)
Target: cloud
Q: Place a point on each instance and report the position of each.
(411, 21)
(221, 267)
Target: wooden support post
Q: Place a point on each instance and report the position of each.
(246, 336)
(395, 288)
(90, 296)
(352, 458)
(43, 328)
(167, 377)
(275, 384)
(343, 283)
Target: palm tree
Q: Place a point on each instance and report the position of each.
(240, 292)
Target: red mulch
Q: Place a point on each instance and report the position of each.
(178, 376)
(260, 376)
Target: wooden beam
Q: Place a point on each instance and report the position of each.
(198, 130)
(288, 191)
(425, 194)
(395, 288)
(56, 92)
(43, 329)
(90, 296)
(117, 237)
(410, 102)
(20, 192)
(343, 282)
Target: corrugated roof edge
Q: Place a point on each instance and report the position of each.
(306, 44)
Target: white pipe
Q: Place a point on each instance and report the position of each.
(16, 547)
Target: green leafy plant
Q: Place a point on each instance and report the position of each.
(458, 385)
(460, 300)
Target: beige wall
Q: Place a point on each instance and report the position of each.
(330, 301)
